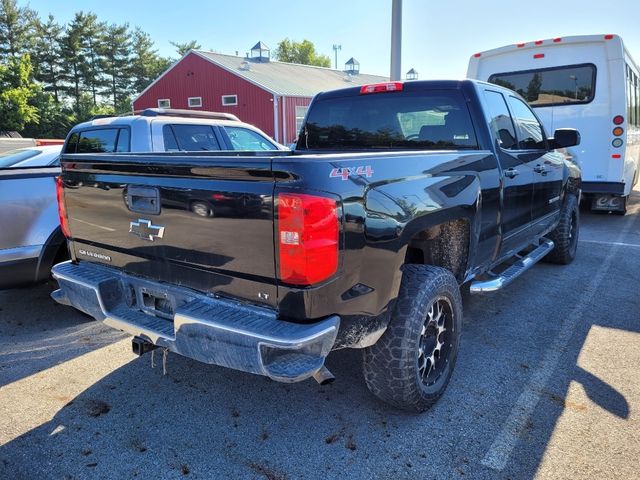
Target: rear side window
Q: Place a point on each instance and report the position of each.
(501, 121)
(190, 138)
(245, 139)
(404, 120)
(530, 133)
(98, 141)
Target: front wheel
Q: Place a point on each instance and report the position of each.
(565, 235)
(412, 363)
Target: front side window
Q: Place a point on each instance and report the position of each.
(530, 132)
(551, 86)
(97, 141)
(190, 138)
(245, 139)
(403, 120)
(501, 121)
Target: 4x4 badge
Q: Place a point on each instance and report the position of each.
(145, 230)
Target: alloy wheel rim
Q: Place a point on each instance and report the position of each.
(435, 341)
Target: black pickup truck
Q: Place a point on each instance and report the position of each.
(396, 197)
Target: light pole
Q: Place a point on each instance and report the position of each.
(575, 79)
(396, 39)
(335, 51)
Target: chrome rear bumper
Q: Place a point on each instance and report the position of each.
(212, 330)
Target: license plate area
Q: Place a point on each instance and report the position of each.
(610, 203)
(156, 301)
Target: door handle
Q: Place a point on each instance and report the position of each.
(511, 173)
(540, 169)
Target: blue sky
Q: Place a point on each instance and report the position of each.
(438, 36)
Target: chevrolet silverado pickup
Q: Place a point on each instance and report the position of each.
(396, 197)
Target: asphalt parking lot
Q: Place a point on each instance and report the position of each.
(546, 385)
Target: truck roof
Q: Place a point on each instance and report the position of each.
(406, 86)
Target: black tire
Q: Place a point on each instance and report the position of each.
(394, 367)
(565, 235)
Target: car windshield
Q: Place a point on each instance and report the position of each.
(12, 157)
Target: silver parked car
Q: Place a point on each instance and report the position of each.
(30, 238)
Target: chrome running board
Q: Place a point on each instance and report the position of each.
(514, 271)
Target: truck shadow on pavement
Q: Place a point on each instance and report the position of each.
(36, 333)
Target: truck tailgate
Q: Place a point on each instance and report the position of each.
(201, 222)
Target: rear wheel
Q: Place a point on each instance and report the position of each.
(565, 235)
(412, 363)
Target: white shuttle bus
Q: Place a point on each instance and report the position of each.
(587, 82)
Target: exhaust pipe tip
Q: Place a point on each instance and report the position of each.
(324, 376)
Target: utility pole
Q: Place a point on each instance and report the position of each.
(396, 39)
(335, 51)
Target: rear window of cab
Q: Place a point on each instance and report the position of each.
(426, 120)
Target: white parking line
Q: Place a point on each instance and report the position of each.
(617, 244)
(503, 445)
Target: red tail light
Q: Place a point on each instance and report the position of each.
(62, 209)
(557, 40)
(538, 42)
(520, 45)
(477, 55)
(307, 238)
(382, 87)
(618, 120)
(608, 37)
(539, 55)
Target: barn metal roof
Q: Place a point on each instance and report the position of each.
(289, 79)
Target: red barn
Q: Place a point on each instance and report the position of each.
(270, 95)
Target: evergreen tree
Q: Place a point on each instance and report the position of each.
(116, 47)
(16, 27)
(47, 56)
(72, 59)
(183, 48)
(94, 65)
(146, 65)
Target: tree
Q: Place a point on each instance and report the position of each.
(47, 56)
(55, 118)
(91, 70)
(72, 60)
(300, 52)
(15, 29)
(116, 46)
(183, 48)
(16, 91)
(146, 65)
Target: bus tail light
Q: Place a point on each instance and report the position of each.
(557, 40)
(618, 120)
(616, 155)
(539, 55)
(618, 131)
(62, 209)
(608, 37)
(307, 238)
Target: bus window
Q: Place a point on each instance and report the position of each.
(551, 86)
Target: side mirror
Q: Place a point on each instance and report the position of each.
(564, 137)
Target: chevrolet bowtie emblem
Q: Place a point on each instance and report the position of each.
(145, 230)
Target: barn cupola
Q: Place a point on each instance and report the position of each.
(260, 52)
(352, 67)
(412, 74)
